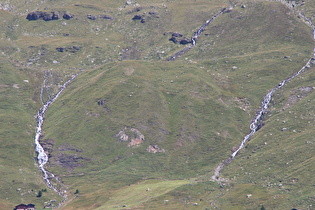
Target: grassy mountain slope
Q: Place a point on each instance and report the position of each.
(20, 178)
(196, 109)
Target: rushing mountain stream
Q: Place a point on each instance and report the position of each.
(257, 122)
(42, 157)
(196, 35)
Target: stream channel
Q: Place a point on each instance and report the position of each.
(42, 157)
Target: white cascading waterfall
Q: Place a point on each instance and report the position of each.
(42, 157)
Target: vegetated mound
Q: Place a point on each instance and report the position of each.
(125, 120)
(193, 109)
(129, 108)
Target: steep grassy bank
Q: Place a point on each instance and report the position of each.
(20, 179)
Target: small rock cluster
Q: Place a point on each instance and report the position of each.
(137, 140)
(134, 142)
(178, 38)
(145, 16)
(72, 49)
(154, 149)
(94, 17)
(48, 16)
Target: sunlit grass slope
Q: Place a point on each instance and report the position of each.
(20, 179)
(196, 109)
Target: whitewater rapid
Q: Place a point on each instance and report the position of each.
(42, 157)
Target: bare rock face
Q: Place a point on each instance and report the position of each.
(69, 161)
(154, 149)
(122, 136)
(136, 141)
(66, 156)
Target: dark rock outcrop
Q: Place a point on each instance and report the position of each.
(145, 17)
(174, 40)
(48, 16)
(91, 17)
(176, 37)
(72, 49)
(137, 17)
(54, 16)
(34, 15)
(42, 15)
(185, 41)
(67, 16)
(104, 17)
(60, 49)
(70, 161)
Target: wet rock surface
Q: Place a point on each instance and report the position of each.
(66, 156)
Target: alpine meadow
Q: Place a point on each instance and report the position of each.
(165, 104)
